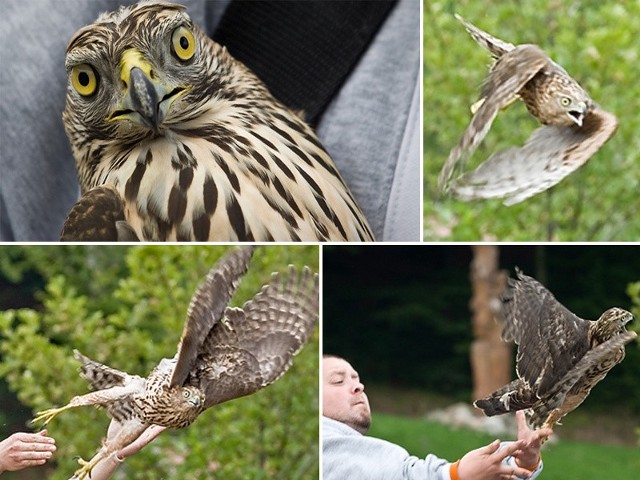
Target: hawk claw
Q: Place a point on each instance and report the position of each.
(85, 470)
(48, 415)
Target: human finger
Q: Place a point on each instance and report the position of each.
(31, 463)
(513, 471)
(521, 420)
(509, 449)
(544, 433)
(30, 455)
(491, 448)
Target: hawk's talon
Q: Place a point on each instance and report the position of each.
(48, 415)
(86, 468)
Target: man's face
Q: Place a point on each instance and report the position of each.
(343, 397)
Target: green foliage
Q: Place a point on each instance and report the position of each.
(596, 42)
(584, 460)
(126, 307)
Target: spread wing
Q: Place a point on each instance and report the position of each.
(551, 340)
(551, 153)
(556, 396)
(207, 307)
(254, 345)
(507, 77)
(495, 46)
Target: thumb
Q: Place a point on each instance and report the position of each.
(44, 432)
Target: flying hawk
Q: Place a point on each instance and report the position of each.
(224, 353)
(561, 356)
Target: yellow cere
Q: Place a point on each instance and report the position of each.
(133, 58)
(84, 79)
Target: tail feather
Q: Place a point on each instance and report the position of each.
(98, 375)
(510, 398)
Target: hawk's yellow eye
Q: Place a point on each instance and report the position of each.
(565, 101)
(186, 393)
(183, 44)
(84, 79)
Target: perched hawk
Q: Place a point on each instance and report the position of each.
(224, 353)
(573, 130)
(560, 357)
(189, 143)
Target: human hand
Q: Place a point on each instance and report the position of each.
(143, 440)
(22, 450)
(485, 463)
(529, 455)
(134, 447)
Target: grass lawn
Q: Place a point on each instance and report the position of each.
(565, 460)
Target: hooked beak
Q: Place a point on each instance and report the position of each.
(146, 100)
(577, 114)
(195, 401)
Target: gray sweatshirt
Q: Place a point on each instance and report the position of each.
(347, 454)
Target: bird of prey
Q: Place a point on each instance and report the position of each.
(224, 353)
(561, 356)
(191, 143)
(573, 130)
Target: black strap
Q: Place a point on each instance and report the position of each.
(302, 50)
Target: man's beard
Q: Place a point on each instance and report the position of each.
(360, 422)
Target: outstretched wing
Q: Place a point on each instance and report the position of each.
(551, 153)
(495, 46)
(254, 345)
(98, 216)
(551, 339)
(207, 307)
(589, 361)
(507, 77)
(100, 378)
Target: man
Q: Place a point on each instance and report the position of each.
(22, 450)
(348, 453)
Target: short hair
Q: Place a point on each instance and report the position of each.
(332, 355)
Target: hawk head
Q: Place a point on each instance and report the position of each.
(174, 407)
(137, 73)
(611, 323)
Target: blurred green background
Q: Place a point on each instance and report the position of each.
(126, 306)
(598, 44)
(401, 316)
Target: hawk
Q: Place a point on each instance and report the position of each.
(573, 130)
(561, 356)
(191, 144)
(224, 353)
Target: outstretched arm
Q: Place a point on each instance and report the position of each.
(520, 459)
(488, 463)
(104, 469)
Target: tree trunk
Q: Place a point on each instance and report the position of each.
(490, 356)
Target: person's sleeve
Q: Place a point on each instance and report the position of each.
(361, 457)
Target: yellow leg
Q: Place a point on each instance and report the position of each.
(85, 470)
(50, 414)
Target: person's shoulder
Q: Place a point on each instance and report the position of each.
(331, 427)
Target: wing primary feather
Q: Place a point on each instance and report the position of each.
(207, 307)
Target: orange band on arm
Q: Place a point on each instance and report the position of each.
(531, 469)
(453, 471)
